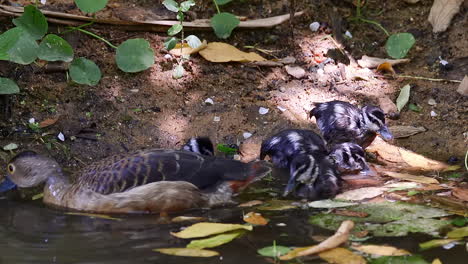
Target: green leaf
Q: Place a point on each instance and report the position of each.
(170, 43)
(134, 55)
(225, 149)
(398, 45)
(187, 252)
(84, 71)
(273, 251)
(18, 46)
(205, 229)
(11, 146)
(399, 260)
(414, 107)
(193, 41)
(403, 97)
(436, 243)
(223, 24)
(171, 5)
(55, 48)
(174, 29)
(33, 22)
(460, 221)
(222, 2)
(178, 72)
(8, 86)
(91, 6)
(185, 6)
(458, 232)
(215, 241)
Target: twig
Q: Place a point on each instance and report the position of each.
(427, 79)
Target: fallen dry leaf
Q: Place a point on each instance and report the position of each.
(436, 261)
(460, 193)
(351, 213)
(340, 237)
(442, 12)
(187, 252)
(48, 122)
(388, 106)
(255, 219)
(206, 229)
(410, 177)
(431, 187)
(463, 87)
(361, 194)
(342, 256)
(381, 250)
(250, 203)
(406, 131)
(188, 218)
(186, 49)
(386, 67)
(373, 62)
(223, 52)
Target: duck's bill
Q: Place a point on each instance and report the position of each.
(290, 187)
(385, 133)
(6, 185)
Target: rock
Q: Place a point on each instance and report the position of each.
(431, 101)
(406, 131)
(463, 88)
(433, 114)
(263, 110)
(389, 107)
(209, 101)
(295, 71)
(442, 12)
(314, 26)
(250, 149)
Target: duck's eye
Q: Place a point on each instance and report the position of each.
(11, 168)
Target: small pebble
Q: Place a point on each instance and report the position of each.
(209, 101)
(449, 245)
(432, 101)
(263, 110)
(280, 224)
(168, 56)
(134, 90)
(348, 34)
(237, 157)
(433, 114)
(282, 109)
(314, 26)
(217, 119)
(246, 135)
(61, 137)
(442, 61)
(32, 120)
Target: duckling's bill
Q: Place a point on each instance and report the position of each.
(6, 185)
(385, 133)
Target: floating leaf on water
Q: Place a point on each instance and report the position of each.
(182, 218)
(277, 205)
(273, 251)
(250, 203)
(381, 250)
(399, 260)
(207, 229)
(361, 194)
(410, 177)
(255, 219)
(458, 232)
(187, 252)
(101, 216)
(329, 204)
(436, 243)
(403, 97)
(350, 213)
(216, 240)
(11, 146)
(342, 256)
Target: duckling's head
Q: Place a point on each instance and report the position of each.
(349, 157)
(303, 170)
(200, 145)
(28, 169)
(374, 119)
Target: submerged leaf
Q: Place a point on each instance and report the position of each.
(207, 229)
(342, 256)
(436, 243)
(273, 251)
(215, 241)
(399, 260)
(187, 252)
(362, 193)
(403, 97)
(329, 204)
(277, 205)
(381, 250)
(458, 232)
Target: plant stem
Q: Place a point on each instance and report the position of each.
(428, 79)
(81, 26)
(182, 40)
(375, 23)
(358, 9)
(217, 7)
(94, 35)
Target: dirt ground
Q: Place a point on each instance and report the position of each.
(126, 112)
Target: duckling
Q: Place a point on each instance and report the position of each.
(153, 180)
(285, 145)
(349, 157)
(343, 122)
(200, 145)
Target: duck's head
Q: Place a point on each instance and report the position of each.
(303, 171)
(374, 120)
(28, 169)
(349, 157)
(200, 145)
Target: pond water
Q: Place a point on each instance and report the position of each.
(33, 233)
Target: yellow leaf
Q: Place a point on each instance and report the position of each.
(101, 216)
(207, 229)
(215, 241)
(186, 49)
(381, 250)
(410, 177)
(255, 219)
(419, 161)
(250, 203)
(188, 218)
(342, 256)
(436, 261)
(187, 252)
(222, 52)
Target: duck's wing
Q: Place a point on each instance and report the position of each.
(123, 172)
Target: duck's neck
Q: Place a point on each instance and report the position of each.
(57, 185)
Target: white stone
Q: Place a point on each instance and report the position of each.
(217, 119)
(61, 136)
(32, 120)
(168, 56)
(432, 101)
(247, 135)
(209, 101)
(442, 61)
(263, 110)
(282, 109)
(433, 113)
(314, 26)
(348, 34)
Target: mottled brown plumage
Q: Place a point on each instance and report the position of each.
(152, 180)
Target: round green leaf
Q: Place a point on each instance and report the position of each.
(223, 24)
(91, 6)
(398, 45)
(170, 43)
(222, 2)
(178, 72)
(193, 41)
(171, 5)
(33, 22)
(84, 71)
(185, 6)
(174, 29)
(55, 48)
(18, 46)
(134, 55)
(8, 86)
(273, 251)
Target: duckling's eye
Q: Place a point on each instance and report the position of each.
(11, 168)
